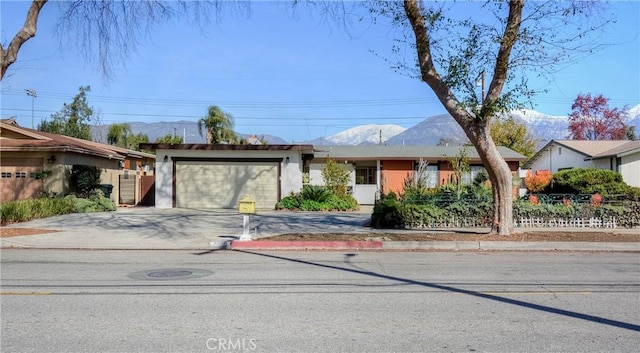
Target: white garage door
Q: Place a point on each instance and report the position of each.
(203, 184)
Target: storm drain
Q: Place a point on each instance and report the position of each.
(170, 274)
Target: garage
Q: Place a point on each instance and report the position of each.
(19, 178)
(221, 184)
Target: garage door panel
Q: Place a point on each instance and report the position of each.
(223, 184)
(18, 178)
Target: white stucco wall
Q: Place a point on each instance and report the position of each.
(559, 158)
(290, 177)
(315, 173)
(630, 169)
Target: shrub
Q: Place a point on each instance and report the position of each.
(290, 202)
(26, 210)
(588, 181)
(341, 203)
(538, 181)
(418, 216)
(634, 193)
(336, 177)
(85, 179)
(318, 198)
(386, 213)
(311, 205)
(316, 193)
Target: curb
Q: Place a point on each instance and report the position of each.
(434, 245)
(302, 245)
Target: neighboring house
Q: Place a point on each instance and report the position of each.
(622, 156)
(33, 162)
(624, 159)
(219, 176)
(381, 168)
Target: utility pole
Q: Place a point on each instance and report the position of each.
(33, 94)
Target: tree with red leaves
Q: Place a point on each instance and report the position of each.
(592, 119)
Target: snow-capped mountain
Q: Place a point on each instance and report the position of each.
(366, 134)
(542, 126)
(435, 130)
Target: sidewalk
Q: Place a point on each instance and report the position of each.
(140, 228)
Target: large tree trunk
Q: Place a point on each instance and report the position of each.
(10, 55)
(499, 175)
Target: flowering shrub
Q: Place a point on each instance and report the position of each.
(538, 181)
(596, 200)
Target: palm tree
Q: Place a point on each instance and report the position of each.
(218, 125)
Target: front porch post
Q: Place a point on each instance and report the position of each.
(378, 178)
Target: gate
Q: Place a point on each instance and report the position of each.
(127, 193)
(148, 190)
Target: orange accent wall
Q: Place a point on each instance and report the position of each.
(393, 175)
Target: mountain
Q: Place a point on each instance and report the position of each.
(543, 127)
(439, 129)
(366, 134)
(187, 129)
(434, 130)
(444, 130)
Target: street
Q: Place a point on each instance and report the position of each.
(232, 301)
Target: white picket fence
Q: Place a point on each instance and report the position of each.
(526, 223)
(566, 223)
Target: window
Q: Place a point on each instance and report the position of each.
(5, 175)
(559, 150)
(366, 175)
(21, 175)
(470, 176)
(32, 175)
(428, 174)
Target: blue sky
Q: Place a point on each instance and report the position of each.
(293, 77)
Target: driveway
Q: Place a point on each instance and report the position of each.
(175, 228)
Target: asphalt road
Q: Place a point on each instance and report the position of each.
(231, 301)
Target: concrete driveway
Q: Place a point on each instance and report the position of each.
(154, 228)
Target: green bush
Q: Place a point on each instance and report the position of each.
(315, 193)
(419, 216)
(318, 198)
(386, 213)
(26, 210)
(84, 179)
(311, 205)
(634, 193)
(291, 202)
(341, 203)
(472, 210)
(588, 181)
(95, 203)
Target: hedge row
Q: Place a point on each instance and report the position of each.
(391, 213)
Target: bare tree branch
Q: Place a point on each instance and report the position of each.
(428, 70)
(10, 55)
(509, 38)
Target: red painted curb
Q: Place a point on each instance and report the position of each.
(306, 244)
